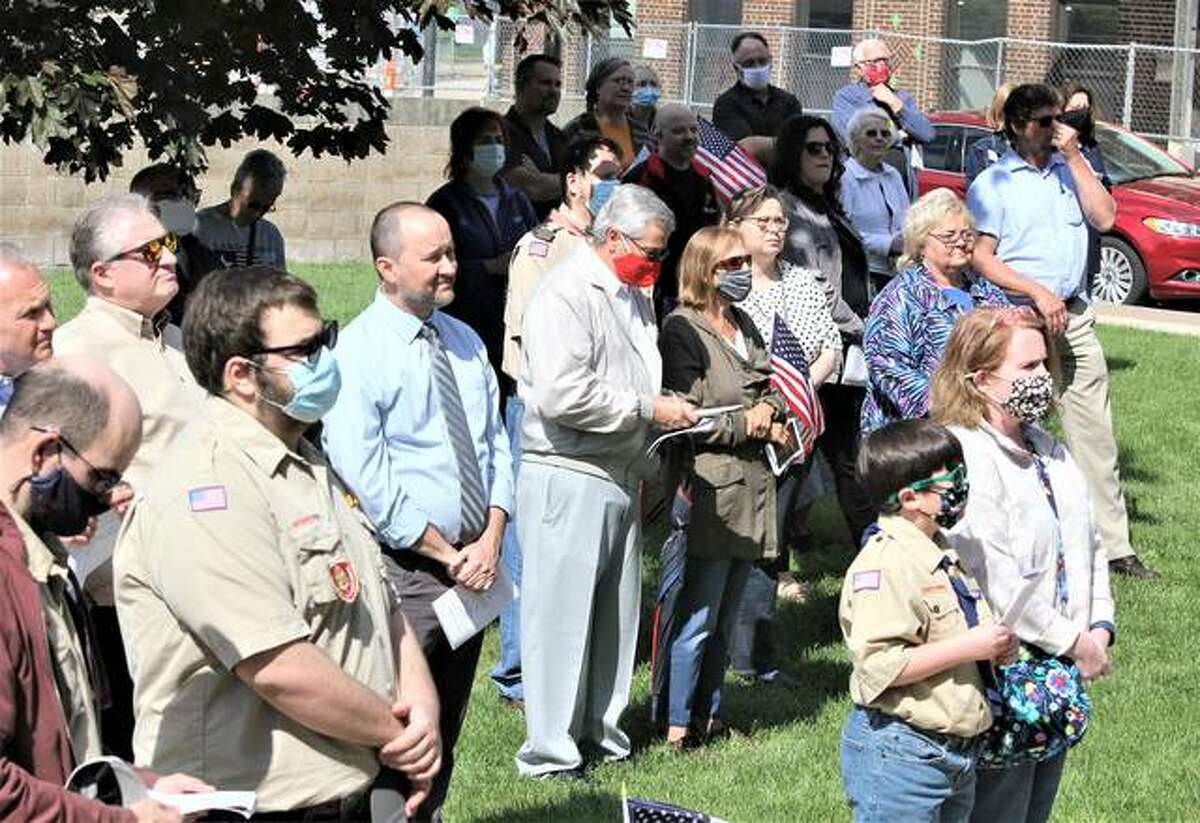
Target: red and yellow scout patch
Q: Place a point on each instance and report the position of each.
(344, 579)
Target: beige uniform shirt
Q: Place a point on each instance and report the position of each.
(239, 546)
(47, 563)
(535, 254)
(896, 596)
(137, 350)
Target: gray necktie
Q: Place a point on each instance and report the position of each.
(474, 503)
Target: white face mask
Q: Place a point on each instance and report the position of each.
(177, 215)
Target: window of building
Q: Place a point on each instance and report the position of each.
(824, 14)
(970, 69)
(715, 12)
(1090, 21)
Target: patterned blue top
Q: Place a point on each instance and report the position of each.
(906, 332)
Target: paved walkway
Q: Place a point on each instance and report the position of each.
(1143, 317)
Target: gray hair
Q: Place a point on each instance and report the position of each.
(261, 166)
(857, 54)
(630, 209)
(11, 256)
(50, 395)
(860, 121)
(924, 216)
(92, 241)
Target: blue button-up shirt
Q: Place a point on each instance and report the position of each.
(6, 392)
(876, 203)
(1037, 221)
(387, 437)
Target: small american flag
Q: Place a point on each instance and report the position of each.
(647, 811)
(789, 377)
(731, 168)
(208, 499)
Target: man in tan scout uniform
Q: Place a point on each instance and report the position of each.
(124, 259)
(251, 594)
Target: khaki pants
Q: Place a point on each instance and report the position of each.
(1087, 421)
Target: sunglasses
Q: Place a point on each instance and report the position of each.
(735, 263)
(873, 133)
(1047, 121)
(101, 482)
(816, 148)
(151, 251)
(958, 238)
(655, 255)
(309, 349)
(952, 477)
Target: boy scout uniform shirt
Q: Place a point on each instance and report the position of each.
(240, 546)
(535, 254)
(898, 595)
(136, 347)
(47, 563)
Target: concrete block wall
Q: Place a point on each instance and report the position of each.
(327, 205)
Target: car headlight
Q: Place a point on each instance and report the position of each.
(1172, 228)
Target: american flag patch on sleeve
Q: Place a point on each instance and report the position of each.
(866, 581)
(208, 499)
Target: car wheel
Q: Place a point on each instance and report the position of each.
(1122, 277)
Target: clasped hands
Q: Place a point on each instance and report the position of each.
(416, 752)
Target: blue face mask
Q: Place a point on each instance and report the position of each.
(488, 159)
(601, 191)
(757, 77)
(646, 96)
(315, 388)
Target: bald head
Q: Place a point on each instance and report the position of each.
(26, 316)
(414, 257)
(678, 133)
(75, 400)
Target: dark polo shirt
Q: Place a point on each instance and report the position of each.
(522, 143)
(739, 113)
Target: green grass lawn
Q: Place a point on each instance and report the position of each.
(1138, 763)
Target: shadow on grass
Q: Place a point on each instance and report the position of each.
(1119, 363)
(583, 804)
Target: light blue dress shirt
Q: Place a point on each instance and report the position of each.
(6, 391)
(1037, 221)
(387, 437)
(876, 203)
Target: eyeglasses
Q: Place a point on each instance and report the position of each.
(309, 349)
(768, 224)
(655, 255)
(877, 62)
(100, 481)
(735, 263)
(953, 477)
(151, 251)
(816, 148)
(966, 237)
(873, 133)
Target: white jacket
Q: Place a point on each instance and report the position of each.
(1007, 537)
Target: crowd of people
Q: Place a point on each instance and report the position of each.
(225, 522)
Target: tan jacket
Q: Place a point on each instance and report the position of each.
(590, 369)
(733, 493)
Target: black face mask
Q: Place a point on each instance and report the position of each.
(1080, 120)
(59, 505)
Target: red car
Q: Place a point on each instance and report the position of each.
(1154, 247)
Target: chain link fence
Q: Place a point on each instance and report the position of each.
(1152, 90)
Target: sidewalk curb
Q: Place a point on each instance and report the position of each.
(1148, 319)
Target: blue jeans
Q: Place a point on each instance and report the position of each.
(895, 772)
(1023, 794)
(705, 615)
(507, 672)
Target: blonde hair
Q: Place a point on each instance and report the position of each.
(979, 342)
(995, 110)
(704, 251)
(932, 210)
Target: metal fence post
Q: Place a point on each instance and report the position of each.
(588, 57)
(489, 54)
(999, 63)
(690, 72)
(1130, 72)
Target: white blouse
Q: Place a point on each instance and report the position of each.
(1007, 538)
(800, 300)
